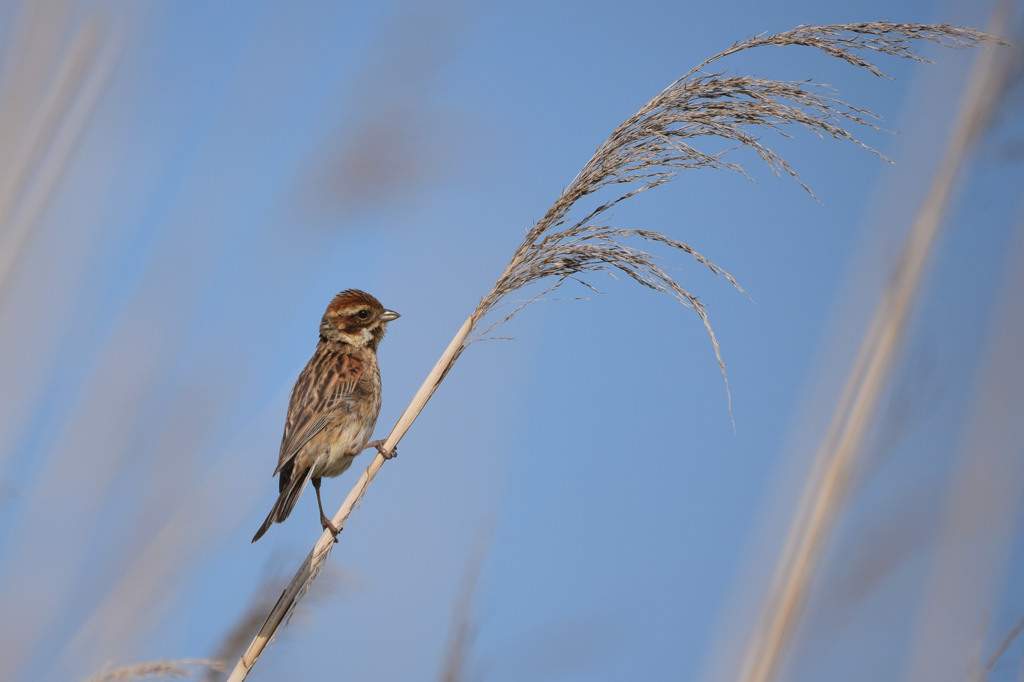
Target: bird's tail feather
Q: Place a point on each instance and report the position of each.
(290, 492)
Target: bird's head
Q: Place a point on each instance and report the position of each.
(356, 318)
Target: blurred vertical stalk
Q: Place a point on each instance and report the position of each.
(980, 519)
(827, 486)
(40, 146)
(463, 627)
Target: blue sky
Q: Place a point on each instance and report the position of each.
(243, 163)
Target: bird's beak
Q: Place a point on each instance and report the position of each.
(389, 315)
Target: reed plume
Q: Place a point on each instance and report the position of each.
(724, 114)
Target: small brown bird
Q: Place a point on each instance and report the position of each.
(334, 403)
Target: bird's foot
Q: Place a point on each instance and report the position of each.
(378, 445)
(327, 525)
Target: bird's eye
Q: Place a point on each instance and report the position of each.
(363, 314)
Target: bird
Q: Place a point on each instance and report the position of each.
(334, 403)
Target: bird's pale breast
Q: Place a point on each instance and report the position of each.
(341, 440)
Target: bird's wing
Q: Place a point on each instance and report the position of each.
(324, 386)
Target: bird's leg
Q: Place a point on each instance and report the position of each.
(324, 521)
(378, 445)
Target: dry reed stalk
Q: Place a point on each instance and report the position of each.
(647, 150)
(827, 485)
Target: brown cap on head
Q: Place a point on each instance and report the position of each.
(351, 298)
